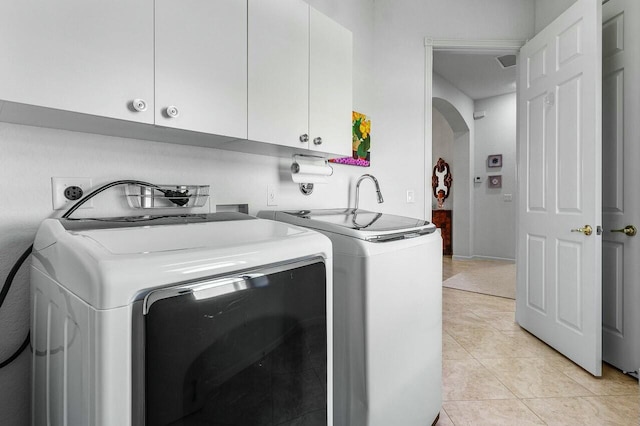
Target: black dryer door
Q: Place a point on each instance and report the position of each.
(246, 350)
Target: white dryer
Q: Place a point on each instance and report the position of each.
(180, 320)
(387, 315)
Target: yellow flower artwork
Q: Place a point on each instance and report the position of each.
(360, 142)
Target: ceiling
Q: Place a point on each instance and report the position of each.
(477, 75)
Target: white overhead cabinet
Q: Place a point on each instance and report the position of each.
(88, 56)
(201, 66)
(300, 78)
(113, 59)
(330, 84)
(181, 65)
(279, 72)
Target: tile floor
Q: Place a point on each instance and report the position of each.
(495, 373)
(496, 278)
(452, 267)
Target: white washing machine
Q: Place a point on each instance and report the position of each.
(387, 315)
(181, 320)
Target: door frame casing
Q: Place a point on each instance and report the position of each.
(460, 46)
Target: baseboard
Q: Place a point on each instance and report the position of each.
(457, 257)
(504, 259)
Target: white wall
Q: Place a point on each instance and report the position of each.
(548, 10)
(442, 148)
(494, 219)
(400, 29)
(30, 156)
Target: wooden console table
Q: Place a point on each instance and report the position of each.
(442, 219)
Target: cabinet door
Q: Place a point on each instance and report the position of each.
(330, 97)
(201, 65)
(279, 71)
(97, 64)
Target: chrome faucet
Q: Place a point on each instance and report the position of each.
(375, 181)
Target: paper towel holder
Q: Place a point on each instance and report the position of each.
(307, 187)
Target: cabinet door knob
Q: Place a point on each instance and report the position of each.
(139, 105)
(304, 138)
(318, 141)
(172, 111)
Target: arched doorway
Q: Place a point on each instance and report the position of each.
(451, 138)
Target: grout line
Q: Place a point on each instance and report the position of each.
(533, 411)
(448, 416)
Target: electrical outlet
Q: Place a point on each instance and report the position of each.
(411, 196)
(272, 195)
(67, 191)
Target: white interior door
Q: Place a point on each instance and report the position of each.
(620, 177)
(559, 292)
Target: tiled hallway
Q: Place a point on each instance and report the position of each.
(495, 373)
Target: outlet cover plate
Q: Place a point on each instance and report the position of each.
(58, 185)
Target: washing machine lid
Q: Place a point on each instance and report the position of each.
(361, 224)
(109, 262)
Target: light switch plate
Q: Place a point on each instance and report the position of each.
(272, 195)
(411, 196)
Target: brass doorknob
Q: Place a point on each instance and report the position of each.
(587, 230)
(628, 230)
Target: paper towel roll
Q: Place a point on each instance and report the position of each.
(311, 169)
(307, 178)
